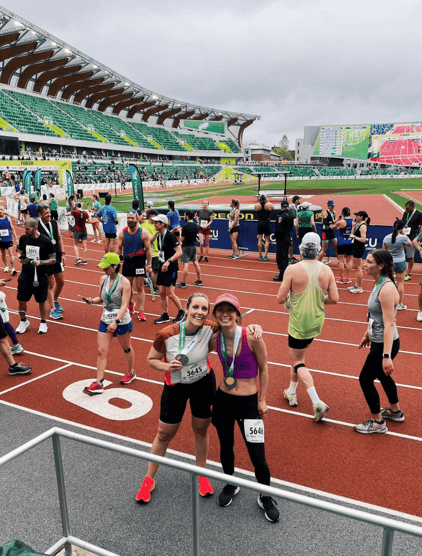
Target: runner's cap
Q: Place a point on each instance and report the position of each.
(305, 204)
(330, 203)
(285, 203)
(150, 204)
(160, 218)
(310, 239)
(227, 298)
(109, 259)
(362, 213)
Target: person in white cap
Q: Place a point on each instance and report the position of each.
(306, 288)
(305, 221)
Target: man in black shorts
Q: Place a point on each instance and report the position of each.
(413, 222)
(169, 251)
(283, 227)
(134, 246)
(263, 210)
(50, 229)
(36, 253)
(188, 235)
(328, 235)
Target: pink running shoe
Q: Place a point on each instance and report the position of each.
(205, 487)
(141, 316)
(144, 493)
(131, 307)
(94, 388)
(128, 378)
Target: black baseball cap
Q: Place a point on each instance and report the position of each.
(362, 213)
(284, 203)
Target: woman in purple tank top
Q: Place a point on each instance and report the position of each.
(243, 358)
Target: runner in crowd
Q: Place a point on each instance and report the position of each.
(305, 222)
(173, 217)
(243, 358)
(358, 236)
(80, 234)
(417, 242)
(204, 216)
(396, 243)
(180, 351)
(413, 222)
(108, 216)
(7, 237)
(234, 227)
(383, 339)
(15, 369)
(96, 226)
(188, 236)
(343, 226)
(50, 229)
(32, 207)
(23, 201)
(306, 288)
(328, 235)
(53, 206)
(5, 317)
(168, 254)
(263, 209)
(293, 211)
(283, 228)
(71, 205)
(114, 294)
(134, 246)
(36, 253)
(149, 226)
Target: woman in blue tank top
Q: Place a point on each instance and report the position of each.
(383, 339)
(343, 229)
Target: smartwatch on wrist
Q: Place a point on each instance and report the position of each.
(117, 321)
(386, 356)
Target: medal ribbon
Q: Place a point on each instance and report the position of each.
(110, 292)
(182, 339)
(162, 242)
(409, 217)
(223, 347)
(49, 232)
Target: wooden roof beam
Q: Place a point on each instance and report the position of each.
(139, 108)
(167, 114)
(35, 69)
(53, 74)
(119, 107)
(22, 61)
(99, 96)
(182, 117)
(111, 100)
(154, 110)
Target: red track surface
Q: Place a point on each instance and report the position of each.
(329, 456)
(414, 195)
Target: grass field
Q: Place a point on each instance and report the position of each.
(197, 193)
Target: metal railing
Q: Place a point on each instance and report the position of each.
(390, 526)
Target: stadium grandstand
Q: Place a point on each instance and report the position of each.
(57, 101)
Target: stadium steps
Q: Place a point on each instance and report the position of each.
(18, 115)
(232, 146)
(224, 147)
(8, 127)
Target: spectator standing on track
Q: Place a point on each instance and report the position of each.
(50, 229)
(412, 219)
(173, 217)
(328, 235)
(188, 235)
(358, 236)
(396, 243)
(283, 228)
(71, 205)
(306, 288)
(243, 358)
(417, 245)
(234, 227)
(5, 317)
(133, 245)
(344, 226)
(116, 321)
(293, 211)
(37, 253)
(383, 339)
(169, 251)
(263, 210)
(108, 216)
(149, 226)
(204, 216)
(7, 236)
(80, 235)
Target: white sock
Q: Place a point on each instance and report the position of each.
(292, 388)
(313, 395)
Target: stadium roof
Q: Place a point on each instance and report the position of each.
(35, 60)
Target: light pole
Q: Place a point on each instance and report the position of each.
(285, 183)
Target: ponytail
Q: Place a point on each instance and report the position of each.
(398, 225)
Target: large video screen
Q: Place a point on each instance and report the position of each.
(399, 143)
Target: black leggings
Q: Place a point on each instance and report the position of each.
(226, 410)
(371, 370)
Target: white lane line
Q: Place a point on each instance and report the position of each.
(36, 378)
(321, 493)
(395, 205)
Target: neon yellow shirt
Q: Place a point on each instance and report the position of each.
(150, 228)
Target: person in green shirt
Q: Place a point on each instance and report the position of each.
(306, 288)
(305, 221)
(148, 226)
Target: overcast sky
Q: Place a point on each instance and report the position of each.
(296, 63)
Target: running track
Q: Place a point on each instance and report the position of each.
(382, 469)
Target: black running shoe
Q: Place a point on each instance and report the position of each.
(269, 505)
(19, 370)
(227, 495)
(205, 259)
(181, 285)
(201, 258)
(180, 316)
(164, 318)
(198, 283)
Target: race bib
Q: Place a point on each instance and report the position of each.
(254, 430)
(370, 325)
(4, 233)
(407, 230)
(140, 271)
(32, 252)
(109, 316)
(192, 373)
(161, 257)
(203, 223)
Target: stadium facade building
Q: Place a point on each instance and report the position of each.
(260, 153)
(52, 95)
(361, 145)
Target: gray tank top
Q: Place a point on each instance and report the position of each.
(376, 323)
(111, 309)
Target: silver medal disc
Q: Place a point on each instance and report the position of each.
(184, 359)
(35, 284)
(53, 241)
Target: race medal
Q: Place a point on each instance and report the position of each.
(182, 358)
(230, 382)
(109, 307)
(35, 284)
(53, 241)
